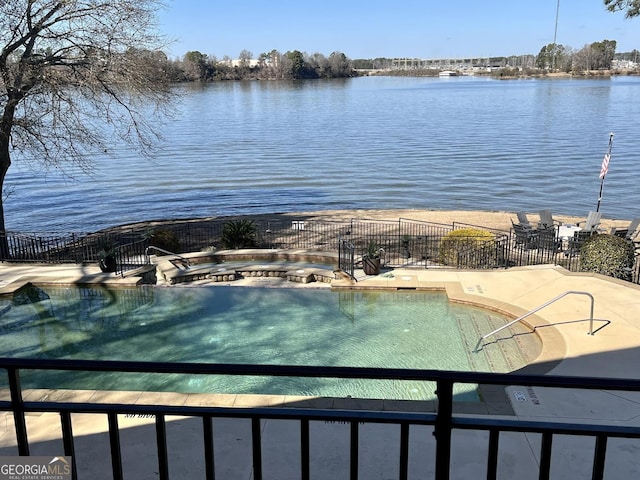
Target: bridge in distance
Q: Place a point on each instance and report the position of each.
(521, 61)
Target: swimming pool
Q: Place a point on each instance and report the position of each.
(405, 329)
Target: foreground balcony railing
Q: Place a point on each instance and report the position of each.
(443, 420)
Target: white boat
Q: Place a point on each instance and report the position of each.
(448, 73)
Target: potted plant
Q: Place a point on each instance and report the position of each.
(107, 257)
(371, 259)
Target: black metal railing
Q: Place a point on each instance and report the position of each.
(132, 255)
(52, 247)
(444, 421)
(346, 257)
(46, 247)
(405, 242)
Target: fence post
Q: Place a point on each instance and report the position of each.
(17, 405)
(75, 247)
(442, 429)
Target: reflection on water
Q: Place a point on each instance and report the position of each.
(374, 142)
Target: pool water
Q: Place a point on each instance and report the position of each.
(243, 325)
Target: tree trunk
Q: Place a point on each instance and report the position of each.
(5, 162)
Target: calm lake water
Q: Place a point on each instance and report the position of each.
(374, 142)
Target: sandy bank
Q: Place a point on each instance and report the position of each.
(490, 219)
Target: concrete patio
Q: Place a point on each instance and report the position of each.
(568, 349)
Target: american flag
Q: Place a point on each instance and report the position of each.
(605, 165)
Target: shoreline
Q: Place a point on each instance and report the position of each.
(494, 219)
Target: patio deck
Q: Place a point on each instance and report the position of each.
(567, 350)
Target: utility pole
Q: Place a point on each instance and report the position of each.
(555, 35)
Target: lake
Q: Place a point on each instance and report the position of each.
(371, 142)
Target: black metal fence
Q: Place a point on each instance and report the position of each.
(131, 255)
(52, 247)
(405, 242)
(346, 257)
(443, 421)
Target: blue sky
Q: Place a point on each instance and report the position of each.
(399, 28)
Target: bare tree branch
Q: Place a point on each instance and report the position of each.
(74, 74)
(631, 7)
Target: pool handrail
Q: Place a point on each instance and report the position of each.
(152, 247)
(537, 309)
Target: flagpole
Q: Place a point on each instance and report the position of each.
(604, 170)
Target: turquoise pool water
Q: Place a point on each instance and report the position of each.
(241, 325)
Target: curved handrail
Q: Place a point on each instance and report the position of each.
(151, 247)
(537, 309)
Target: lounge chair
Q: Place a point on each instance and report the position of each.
(524, 221)
(628, 233)
(591, 223)
(575, 243)
(546, 219)
(633, 229)
(525, 236)
(548, 239)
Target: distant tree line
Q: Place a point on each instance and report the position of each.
(273, 65)
(595, 56)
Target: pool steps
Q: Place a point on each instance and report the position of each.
(511, 350)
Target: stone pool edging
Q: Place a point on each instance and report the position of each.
(179, 268)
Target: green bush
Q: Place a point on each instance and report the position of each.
(468, 247)
(607, 254)
(240, 233)
(166, 240)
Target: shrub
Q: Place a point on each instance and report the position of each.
(468, 247)
(166, 240)
(239, 233)
(607, 254)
